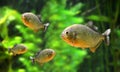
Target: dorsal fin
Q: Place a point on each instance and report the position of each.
(15, 45)
(39, 17)
(37, 53)
(90, 25)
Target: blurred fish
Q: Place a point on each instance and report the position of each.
(33, 22)
(43, 56)
(18, 49)
(85, 36)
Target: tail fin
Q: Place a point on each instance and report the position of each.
(106, 35)
(33, 60)
(46, 26)
(9, 50)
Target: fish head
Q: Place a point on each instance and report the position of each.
(68, 34)
(50, 53)
(23, 49)
(47, 55)
(26, 17)
(20, 48)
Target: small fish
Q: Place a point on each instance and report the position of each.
(33, 22)
(85, 36)
(43, 56)
(18, 49)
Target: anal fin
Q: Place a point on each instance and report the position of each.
(93, 49)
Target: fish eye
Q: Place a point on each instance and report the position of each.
(66, 32)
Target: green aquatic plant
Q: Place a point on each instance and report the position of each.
(16, 32)
(12, 31)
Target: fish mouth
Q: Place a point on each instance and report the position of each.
(62, 36)
(24, 16)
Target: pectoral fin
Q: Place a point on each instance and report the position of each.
(93, 49)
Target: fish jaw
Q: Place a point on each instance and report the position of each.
(65, 38)
(68, 41)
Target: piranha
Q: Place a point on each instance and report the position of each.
(33, 22)
(43, 56)
(85, 36)
(18, 49)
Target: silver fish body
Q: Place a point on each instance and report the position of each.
(18, 49)
(43, 56)
(83, 36)
(33, 21)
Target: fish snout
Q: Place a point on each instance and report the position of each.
(62, 35)
(23, 16)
